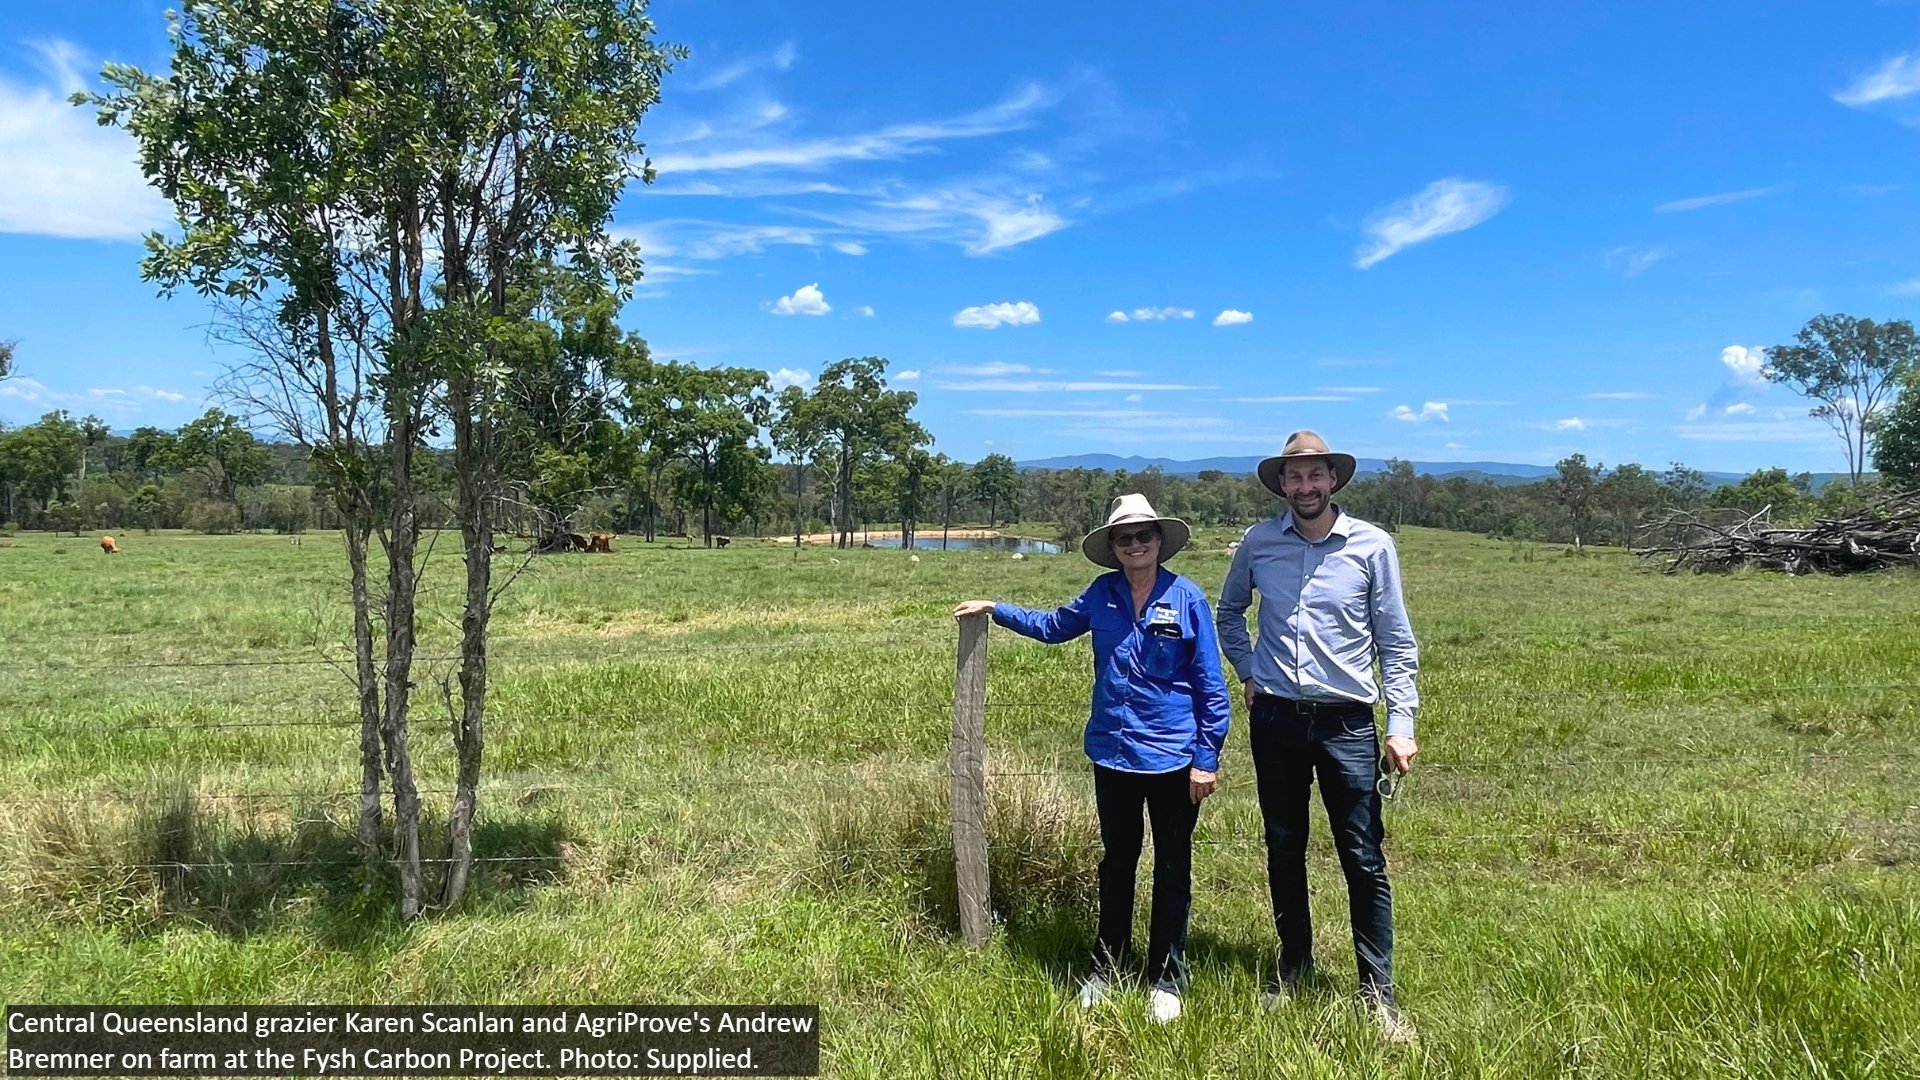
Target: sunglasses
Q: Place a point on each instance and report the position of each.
(1128, 539)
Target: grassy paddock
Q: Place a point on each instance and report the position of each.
(1663, 826)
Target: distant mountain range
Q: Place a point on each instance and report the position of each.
(1498, 472)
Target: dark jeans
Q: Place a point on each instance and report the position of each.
(1291, 744)
(1118, 797)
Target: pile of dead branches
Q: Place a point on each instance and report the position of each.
(1872, 537)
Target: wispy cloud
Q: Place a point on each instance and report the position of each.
(1444, 206)
(780, 59)
(865, 311)
(1348, 389)
(1122, 374)
(1151, 314)
(1767, 431)
(1620, 395)
(991, 367)
(61, 174)
(1276, 399)
(1873, 190)
(909, 375)
(1897, 78)
(1431, 410)
(888, 143)
(1631, 260)
(988, 316)
(806, 300)
(1701, 202)
(1906, 288)
(1231, 317)
(1066, 386)
(113, 402)
(1571, 423)
(850, 247)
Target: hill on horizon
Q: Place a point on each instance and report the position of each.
(1498, 472)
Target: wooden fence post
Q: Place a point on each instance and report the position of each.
(968, 771)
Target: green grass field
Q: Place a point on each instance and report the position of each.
(1662, 827)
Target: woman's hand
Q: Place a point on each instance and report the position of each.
(1200, 784)
(972, 607)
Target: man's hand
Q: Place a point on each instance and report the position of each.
(1399, 753)
(1200, 784)
(1247, 691)
(972, 607)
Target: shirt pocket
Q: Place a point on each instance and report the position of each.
(1165, 651)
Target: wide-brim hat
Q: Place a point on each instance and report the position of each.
(1305, 444)
(1134, 509)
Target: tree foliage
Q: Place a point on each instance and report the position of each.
(1853, 368)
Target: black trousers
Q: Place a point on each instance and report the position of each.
(1119, 796)
(1291, 746)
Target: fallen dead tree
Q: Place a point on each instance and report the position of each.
(1873, 537)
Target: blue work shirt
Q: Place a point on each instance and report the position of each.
(1159, 700)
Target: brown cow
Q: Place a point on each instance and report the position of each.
(601, 542)
(107, 546)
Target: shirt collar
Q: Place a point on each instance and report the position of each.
(1342, 524)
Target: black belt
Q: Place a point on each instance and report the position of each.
(1318, 708)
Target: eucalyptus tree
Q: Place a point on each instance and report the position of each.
(1853, 368)
(395, 165)
(858, 419)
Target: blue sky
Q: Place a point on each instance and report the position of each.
(1450, 232)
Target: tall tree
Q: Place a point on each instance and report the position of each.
(416, 155)
(857, 417)
(949, 478)
(1896, 436)
(716, 415)
(41, 458)
(996, 480)
(796, 435)
(1573, 489)
(1853, 368)
(1628, 492)
(6, 359)
(221, 444)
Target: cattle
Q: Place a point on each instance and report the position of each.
(601, 542)
(1018, 555)
(108, 547)
(722, 541)
(913, 558)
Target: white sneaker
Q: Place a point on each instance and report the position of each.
(1093, 990)
(1163, 1007)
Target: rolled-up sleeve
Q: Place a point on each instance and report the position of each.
(1231, 615)
(1393, 642)
(1052, 627)
(1212, 705)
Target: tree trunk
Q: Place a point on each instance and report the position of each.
(474, 465)
(358, 531)
(402, 584)
(799, 481)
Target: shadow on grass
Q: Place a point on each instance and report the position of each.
(150, 869)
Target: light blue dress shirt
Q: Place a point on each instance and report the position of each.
(1328, 611)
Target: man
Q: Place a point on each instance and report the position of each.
(1330, 606)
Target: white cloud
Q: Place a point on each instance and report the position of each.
(114, 402)
(1231, 317)
(865, 311)
(786, 377)
(1897, 78)
(1696, 412)
(1748, 363)
(991, 367)
(1702, 201)
(1455, 446)
(1738, 408)
(1132, 397)
(1152, 314)
(1431, 410)
(1571, 423)
(850, 247)
(806, 300)
(1442, 207)
(988, 316)
(1119, 374)
(62, 174)
(1619, 395)
(907, 376)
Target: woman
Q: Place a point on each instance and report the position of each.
(1159, 719)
